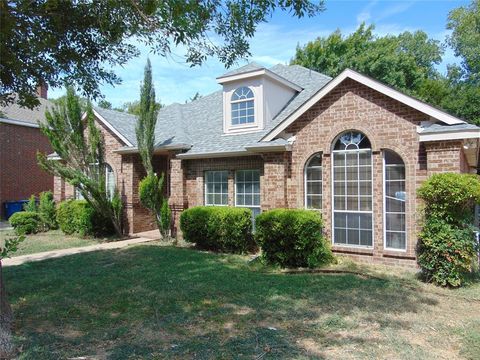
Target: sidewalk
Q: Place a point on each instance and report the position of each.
(18, 260)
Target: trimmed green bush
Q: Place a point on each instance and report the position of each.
(78, 217)
(46, 210)
(292, 238)
(31, 205)
(218, 228)
(26, 222)
(446, 249)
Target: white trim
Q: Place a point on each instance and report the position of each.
(157, 150)
(332, 190)
(205, 193)
(216, 154)
(260, 72)
(386, 90)
(19, 123)
(450, 135)
(267, 148)
(385, 205)
(305, 166)
(109, 126)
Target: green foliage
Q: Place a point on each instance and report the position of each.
(451, 196)
(292, 238)
(26, 222)
(225, 229)
(78, 217)
(104, 104)
(151, 187)
(446, 252)
(47, 212)
(10, 246)
(465, 39)
(446, 247)
(147, 119)
(165, 216)
(80, 145)
(133, 107)
(403, 61)
(31, 206)
(37, 37)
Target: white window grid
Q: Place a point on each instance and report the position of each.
(309, 195)
(243, 106)
(386, 213)
(362, 199)
(216, 180)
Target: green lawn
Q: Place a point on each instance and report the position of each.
(51, 240)
(154, 302)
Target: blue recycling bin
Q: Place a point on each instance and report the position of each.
(11, 207)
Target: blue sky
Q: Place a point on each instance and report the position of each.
(275, 43)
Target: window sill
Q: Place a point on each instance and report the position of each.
(353, 250)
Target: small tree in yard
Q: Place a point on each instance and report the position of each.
(6, 314)
(151, 187)
(80, 145)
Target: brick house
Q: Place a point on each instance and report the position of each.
(349, 147)
(20, 140)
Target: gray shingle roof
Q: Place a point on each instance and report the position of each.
(200, 123)
(244, 69)
(16, 112)
(438, 128)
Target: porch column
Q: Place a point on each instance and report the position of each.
(273, 186)
(178, 198)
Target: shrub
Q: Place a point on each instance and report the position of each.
(31, 205)
(25, 222)
(218, 228)
(292, 238)
(46, 210)
(165, 216)
(446, 246)
(78, 217)
(445, 252)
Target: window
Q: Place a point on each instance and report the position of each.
(216, 188)
(242, 106)
(247, 190)
(77, 194)
(109, 181)
(352, 190)
(394, 201)
(313, 183)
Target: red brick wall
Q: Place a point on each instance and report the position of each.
(20, 175)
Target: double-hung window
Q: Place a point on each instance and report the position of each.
(243, 106)
(216, 188)
(247, 190)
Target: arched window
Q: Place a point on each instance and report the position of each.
(352, 190)
(313, 182)
(109, 180)
(394, 201)
(242, 103)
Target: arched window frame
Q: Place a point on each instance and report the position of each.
(242, 95)
(385, 212)
(306, 181)
(343, 145)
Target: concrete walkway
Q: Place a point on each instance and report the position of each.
(18, 260)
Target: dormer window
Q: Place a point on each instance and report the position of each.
(243, 106)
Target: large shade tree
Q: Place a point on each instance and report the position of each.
(79, 42)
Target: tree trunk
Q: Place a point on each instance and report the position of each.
(6, 321)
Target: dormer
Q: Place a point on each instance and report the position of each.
(252, 97)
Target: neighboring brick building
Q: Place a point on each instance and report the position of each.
(350, 147)
(20, 140)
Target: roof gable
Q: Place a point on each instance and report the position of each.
(373, 84)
